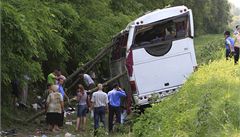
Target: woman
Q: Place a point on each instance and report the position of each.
(82, 107)
(54, 108)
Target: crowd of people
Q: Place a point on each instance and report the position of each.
(232, 44)
(99, 103)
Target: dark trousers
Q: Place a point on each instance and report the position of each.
(228, 54)
(99, 114)
(113, 111)
(236, 55)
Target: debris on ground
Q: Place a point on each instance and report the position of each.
(11, 132)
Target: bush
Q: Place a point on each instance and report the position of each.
(209, 48)
(207, 105)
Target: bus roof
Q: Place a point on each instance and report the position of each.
(158, 14)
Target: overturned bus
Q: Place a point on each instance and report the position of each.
(157, 52)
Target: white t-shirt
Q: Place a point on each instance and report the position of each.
(99, 99)
(88, 80)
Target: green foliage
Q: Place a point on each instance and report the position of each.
(29, 36)
(209, 48)
(210, 16)
(207, 105)
(235, 12)
(100, 132)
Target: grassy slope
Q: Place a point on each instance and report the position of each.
(207, 105)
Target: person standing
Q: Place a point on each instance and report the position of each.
(90, 84)
(237, 44)
(229, 44)
(100, 106)
(60, 86)
(25, 89)
(15, 91)
(114, 97)
(60, 75)
(61, 91)
(46, 93)
(52, 77)
(54, 108)
(82, 108)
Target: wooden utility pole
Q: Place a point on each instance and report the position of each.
(88, 66)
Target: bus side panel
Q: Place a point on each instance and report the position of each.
(161, 74)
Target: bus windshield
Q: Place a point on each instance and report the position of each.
(163, 31)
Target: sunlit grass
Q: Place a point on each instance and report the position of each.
(207, 105)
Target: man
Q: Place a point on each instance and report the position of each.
(100, 104)
(237, 44)
(87, 79)
(61, 91)
(60, 76)
(114, 97)
(60, 86)
(52, 77)
(229, 43)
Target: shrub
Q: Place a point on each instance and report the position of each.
(209, 48)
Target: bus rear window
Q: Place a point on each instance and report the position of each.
(162, 31)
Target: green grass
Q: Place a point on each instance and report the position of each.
(204, 39)
(207, 105)
(209, 47)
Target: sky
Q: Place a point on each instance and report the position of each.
(235, 2)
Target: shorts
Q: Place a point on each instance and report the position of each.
(82, 110)
(53, 118)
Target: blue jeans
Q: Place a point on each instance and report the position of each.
(99, 114)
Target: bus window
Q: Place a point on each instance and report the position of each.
(161, 31)
(157, 37)
(181, 27)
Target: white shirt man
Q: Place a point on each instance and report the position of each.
(100, 105)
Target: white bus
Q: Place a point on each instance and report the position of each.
(157, 51)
